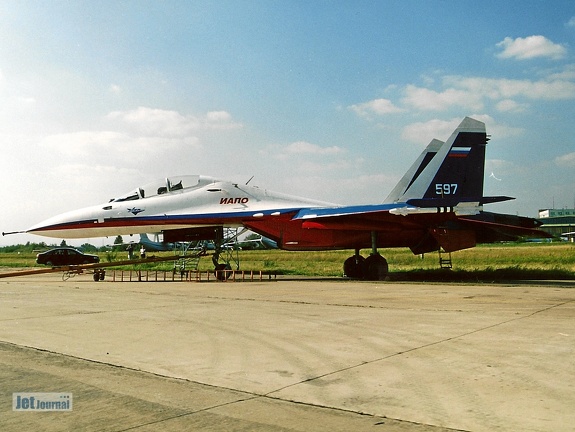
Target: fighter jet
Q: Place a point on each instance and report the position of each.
(157, 246)
(437, 205)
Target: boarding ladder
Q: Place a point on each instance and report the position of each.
(445, 259)
(187, 263)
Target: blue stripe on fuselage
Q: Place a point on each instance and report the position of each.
(310, 213)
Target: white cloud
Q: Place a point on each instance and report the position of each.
(348, 190)
(115, 89)
(218, 116)
(104, 178)
(495, 88)
(300, 148)
(567, 73)
(431, 100)
(84, 143)
(423, 132)
(474, 93)
(508, 105)
(156, 122)
(566, 161)
(151, 142)
(303, 147)
(530, 47)
(381, 183)
(339, 165)
(571, 22)
(219, 120)
(166, 123)
(113, 145)
(17, 104)
(377, 107)
(494, 165)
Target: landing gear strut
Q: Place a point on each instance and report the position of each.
(229, 237)
(221, 270)
(374, 267)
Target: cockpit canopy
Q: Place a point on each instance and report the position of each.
(168, 185)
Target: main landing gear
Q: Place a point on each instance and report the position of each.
(374, 267)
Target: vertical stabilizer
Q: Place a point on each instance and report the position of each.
(414, 171)
(455, 173)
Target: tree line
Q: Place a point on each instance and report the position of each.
(31, 247)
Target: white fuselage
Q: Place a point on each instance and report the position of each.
(192, 202)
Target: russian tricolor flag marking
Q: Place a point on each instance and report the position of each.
(459, 152)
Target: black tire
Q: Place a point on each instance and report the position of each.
(222, 271)
(376, 268)
(354, 267)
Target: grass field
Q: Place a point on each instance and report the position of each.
(501, 261)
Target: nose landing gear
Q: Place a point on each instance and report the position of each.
(222, 271)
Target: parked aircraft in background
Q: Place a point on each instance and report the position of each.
(437, 205)
(157, 246)
(267, 243)
(260, 242)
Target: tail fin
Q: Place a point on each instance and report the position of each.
(455, 174)
(414, 171)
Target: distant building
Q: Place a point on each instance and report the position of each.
(558, 221)
(552, 213)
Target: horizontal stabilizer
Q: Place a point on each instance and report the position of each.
(492, 227)
(494, 199)
(454, 201)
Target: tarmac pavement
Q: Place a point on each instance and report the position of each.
(289, 355)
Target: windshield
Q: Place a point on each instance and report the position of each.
(160, 187)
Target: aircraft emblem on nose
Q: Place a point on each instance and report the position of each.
(135, 210)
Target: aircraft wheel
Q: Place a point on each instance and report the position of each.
(222, 271)
(376, 267)
(99, 275)
(354, 267)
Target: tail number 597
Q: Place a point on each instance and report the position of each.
(445, 188)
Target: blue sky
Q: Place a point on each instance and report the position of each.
(329, 100)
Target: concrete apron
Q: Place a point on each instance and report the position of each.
(465, 357)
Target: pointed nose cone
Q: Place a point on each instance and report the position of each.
(73, 224)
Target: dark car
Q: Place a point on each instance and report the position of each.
(63, 256)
